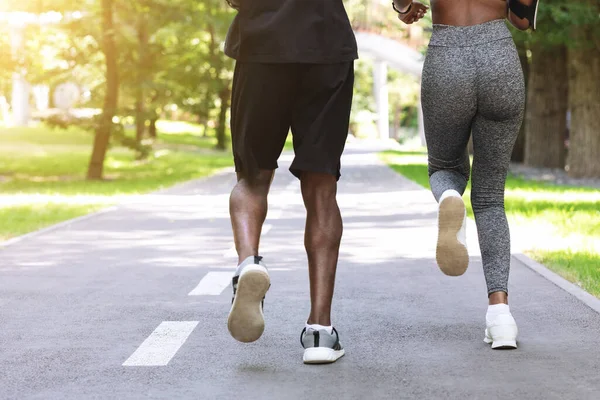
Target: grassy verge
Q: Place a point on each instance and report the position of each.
(42, 172)
(559, 224)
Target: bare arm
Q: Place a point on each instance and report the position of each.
(412, 12)
(402, 5)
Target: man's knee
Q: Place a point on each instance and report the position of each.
(318, 187)
(259, 182)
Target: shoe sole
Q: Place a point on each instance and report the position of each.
(246, 321)
(322, 355)
(451, 255)
(501, 344)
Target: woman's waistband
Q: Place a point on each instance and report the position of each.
(462, 36)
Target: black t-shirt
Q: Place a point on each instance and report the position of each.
(291, 31)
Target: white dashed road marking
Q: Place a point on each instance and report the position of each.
(212, 284)
(162, 344)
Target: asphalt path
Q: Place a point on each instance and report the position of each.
(132, 303)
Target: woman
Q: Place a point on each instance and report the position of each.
(473, 84)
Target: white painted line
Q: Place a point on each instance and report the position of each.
(162, 344)
(212, 284)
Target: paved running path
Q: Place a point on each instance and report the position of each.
(146, 285)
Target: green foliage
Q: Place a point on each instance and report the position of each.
(119, 137)
(557, 21)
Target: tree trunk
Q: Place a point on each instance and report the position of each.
(140, 120)
(547, 104)
(102, 137)
(203, 115)
(221, 128)
(518, 154)
(140, 114)
(584, 99)
(152, 128)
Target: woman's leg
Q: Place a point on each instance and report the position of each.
(449, 101)
(493, 142)
(501, 97)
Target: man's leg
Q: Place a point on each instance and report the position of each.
(322, 241)
(320, 128)
(258, 129)
(248, 210)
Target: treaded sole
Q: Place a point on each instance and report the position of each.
(500, 344)
(322, 355)
(246, 322)
(451, 255)
(504, 345)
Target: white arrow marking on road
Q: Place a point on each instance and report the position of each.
(162, 344)
(212, 284)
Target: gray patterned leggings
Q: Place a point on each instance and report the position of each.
(473, 84)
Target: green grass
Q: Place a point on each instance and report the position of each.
(18, 220)
(580, 267)
(563, 222)
(184, 134)
(42, 172)
(289, 143)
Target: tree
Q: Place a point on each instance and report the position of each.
(584, 101)
(584, 89)
(224, 97)
(547, 89)
(147, 28)
(221, 66)
(546, 118)
(109, 109)
(566, 30)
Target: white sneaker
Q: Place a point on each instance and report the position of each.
(451, 252)
(246, 321)
(501, 330)
(320, 346)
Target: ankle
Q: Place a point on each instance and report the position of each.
(321, 320)
(243, 255)
(498, 298)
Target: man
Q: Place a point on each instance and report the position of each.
(294, 69)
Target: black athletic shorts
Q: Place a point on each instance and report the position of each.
(314, 100)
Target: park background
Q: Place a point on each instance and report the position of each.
(101, 100)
